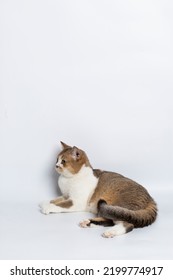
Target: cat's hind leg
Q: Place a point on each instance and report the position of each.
(98, 221)
(119, 228)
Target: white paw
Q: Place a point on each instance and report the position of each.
(41, 204)
(116, 230)
(108, 234)
(84, 223)
(47, 208)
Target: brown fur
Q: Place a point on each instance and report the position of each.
(57, 200)
(61, 202)
(74, 158)
(123, 199)
(65, 204)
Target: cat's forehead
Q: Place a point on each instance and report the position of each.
(65, 153)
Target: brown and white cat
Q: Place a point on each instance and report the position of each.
(118, 201)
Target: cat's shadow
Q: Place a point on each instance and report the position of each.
(54, 181)
(54, 176)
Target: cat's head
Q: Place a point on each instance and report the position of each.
(70, 160)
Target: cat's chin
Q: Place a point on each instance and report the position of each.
(58, 171)
(65, 173)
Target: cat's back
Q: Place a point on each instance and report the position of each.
(116, 189)
(111, 180)
(107, 176)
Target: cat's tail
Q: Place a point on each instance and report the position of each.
(139, 218)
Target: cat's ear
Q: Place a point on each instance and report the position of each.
(64, 146)
(76, 153)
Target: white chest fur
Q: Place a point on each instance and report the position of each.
(79, 187)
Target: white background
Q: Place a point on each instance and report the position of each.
(98, 75)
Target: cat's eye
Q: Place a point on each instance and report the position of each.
(63, 161)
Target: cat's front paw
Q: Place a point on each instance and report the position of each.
(47, 208)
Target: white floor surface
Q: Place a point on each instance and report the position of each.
(25, 233)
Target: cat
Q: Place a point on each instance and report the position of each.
(117, 201)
